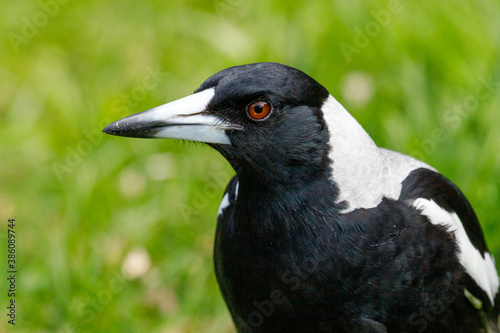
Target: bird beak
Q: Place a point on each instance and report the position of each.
(185, 118)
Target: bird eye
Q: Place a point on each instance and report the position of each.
(259, 110)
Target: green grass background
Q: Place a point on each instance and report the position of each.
(75, 227)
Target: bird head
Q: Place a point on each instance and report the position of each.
(265, 119)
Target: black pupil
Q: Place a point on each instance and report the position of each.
(258, 108)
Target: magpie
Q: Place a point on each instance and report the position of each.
(320, 230)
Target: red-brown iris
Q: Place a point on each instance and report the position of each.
(259, 110)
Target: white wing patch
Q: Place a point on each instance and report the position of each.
(482, 270)
(223, 204)
(364, 173)
(225, 200)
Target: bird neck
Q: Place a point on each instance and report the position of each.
(275, 212)
(358, 167)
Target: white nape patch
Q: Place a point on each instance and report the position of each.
(363, 172)
(400, 165)
(482, 270)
